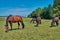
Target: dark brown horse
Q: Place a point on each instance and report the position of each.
(55, 20)
(36, 19)
(13, 19)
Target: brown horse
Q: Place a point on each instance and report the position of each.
(55, 20)
(36, 19)
(13, 19)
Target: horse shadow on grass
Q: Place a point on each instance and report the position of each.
(54, 26)
(14, 29)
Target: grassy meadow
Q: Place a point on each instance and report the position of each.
(42, 32)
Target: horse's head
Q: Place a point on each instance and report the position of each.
(6, 27)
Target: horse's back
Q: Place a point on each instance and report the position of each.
(38, 18)
(56, 18)
(15, 18)
(34, 19)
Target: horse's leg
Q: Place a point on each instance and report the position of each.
(51, 24)
(11, 25)
(30, 21)
(40, 21)
(18, 25)
(37, 22)
(33, 21)
(57, 23)
(22, 25)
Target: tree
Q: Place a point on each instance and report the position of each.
(56, 6)
(35, 13)
(47, 12)
(56, 3)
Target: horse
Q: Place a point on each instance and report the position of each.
(38, 20)
(55, 20)
(13, 19)
(34, 19)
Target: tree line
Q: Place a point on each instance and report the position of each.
(47, 12)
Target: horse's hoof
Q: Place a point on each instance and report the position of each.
(57, 26)
(22, 28)
(11, 29)
(35, 25)
(18, 28)
(50, 26)
(6, 31)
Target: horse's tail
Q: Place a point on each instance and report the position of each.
(23, 25)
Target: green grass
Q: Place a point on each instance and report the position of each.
(42, 32)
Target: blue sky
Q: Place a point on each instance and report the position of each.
(21, 7)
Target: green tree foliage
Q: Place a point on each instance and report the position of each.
(35, 13)
(47, 12)
(56, 3)
(57, 7)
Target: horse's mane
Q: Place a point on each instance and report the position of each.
(9, 16)
(7, 19)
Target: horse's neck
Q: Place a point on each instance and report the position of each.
(56, 18)
(8, 16)
(7, 20)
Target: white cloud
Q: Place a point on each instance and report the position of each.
(16, 11)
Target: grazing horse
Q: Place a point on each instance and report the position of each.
(55, 20)
(13, 19)
(34, 19)
(38, 20)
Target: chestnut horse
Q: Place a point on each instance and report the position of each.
(13, 19)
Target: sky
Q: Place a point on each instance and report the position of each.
(21, 7)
